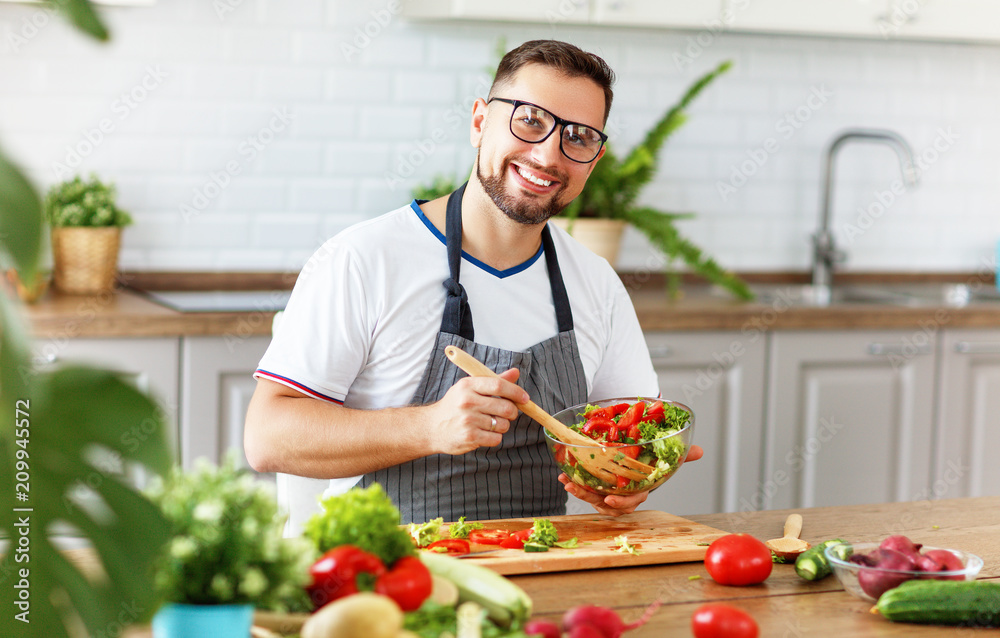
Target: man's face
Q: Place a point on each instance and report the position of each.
(532, 182)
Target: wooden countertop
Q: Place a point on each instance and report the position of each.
(127, 313)
(784, 605)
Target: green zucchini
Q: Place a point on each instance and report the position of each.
(535, 547)
(812, 564)
(939, 602)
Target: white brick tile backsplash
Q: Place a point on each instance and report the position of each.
(362, 91)
(291, 158)
(288, 83)
(358, 86)
(219, 82)
(261, 45)
(424, 87)
(321, 194)
(357, 159)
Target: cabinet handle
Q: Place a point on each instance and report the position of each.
(971, 347)
(882, 349)
(661, 352)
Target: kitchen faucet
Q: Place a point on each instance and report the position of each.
(825, 252)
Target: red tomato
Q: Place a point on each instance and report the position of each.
(608, 412)
(654, 412)
(488, 536)
(516, 540)
(408, 583)
(342, 571)
(716, 620)
(632, 416)
(600, 427)
(738, 559)
(623, 481)
(451, 546)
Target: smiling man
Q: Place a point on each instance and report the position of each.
(355, 382)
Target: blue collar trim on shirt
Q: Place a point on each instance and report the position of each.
(415, 205)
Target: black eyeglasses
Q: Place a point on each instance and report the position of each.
(532, 124)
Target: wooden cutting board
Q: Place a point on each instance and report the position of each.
(659, 537)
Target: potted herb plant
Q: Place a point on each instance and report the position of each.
(86, 234)
(614, 186)
(226, 555)
(608, 203)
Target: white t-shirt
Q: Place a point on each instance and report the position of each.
(366, 309)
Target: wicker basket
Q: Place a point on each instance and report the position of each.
(85, 259)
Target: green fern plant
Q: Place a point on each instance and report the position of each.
(615, 184)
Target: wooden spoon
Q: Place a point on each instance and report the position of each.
(603, 463)
(789, 546)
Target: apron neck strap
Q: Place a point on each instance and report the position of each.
(457, 317)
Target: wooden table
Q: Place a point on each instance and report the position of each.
(784, 605)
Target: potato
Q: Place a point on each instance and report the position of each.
(364, 615)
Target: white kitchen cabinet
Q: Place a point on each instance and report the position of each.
(550, 11)
(658, 13)
(818, 17)
(942, 19)
(216, 386)
(849, 418)
(967, 436)
(149, 363)
(720, 376)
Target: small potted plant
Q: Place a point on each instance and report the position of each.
(86, 234)
(226, 556)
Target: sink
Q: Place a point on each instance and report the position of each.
(221, 300)
(819, 296)
(904, 295)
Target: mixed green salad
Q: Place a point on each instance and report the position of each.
(641, 431)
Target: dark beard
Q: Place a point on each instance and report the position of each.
(529, 213)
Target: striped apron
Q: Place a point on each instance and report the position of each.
(517, 478)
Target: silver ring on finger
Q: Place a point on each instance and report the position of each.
(493, 424)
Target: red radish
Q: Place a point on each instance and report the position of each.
(607, 623)
(901, 544)
(605, 620)
(948, 562)
(543, 628)
(585, 631)
(875, 582)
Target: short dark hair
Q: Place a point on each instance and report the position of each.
(562, 56)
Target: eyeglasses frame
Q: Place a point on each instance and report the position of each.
(559, 122)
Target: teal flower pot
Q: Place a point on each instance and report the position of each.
(175, 620)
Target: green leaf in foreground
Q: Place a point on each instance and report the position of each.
(20, 219)
(76, 430)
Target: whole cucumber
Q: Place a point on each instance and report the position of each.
(812, 564)
(938, 602)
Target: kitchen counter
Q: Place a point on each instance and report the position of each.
(784, 605)
(127, 313)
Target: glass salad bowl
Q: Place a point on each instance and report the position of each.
(859, 569)
(661, 438)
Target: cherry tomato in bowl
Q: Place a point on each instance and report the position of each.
(738, 559)
(717, 620)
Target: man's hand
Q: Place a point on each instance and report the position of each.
(475, 412)
(617, 505)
